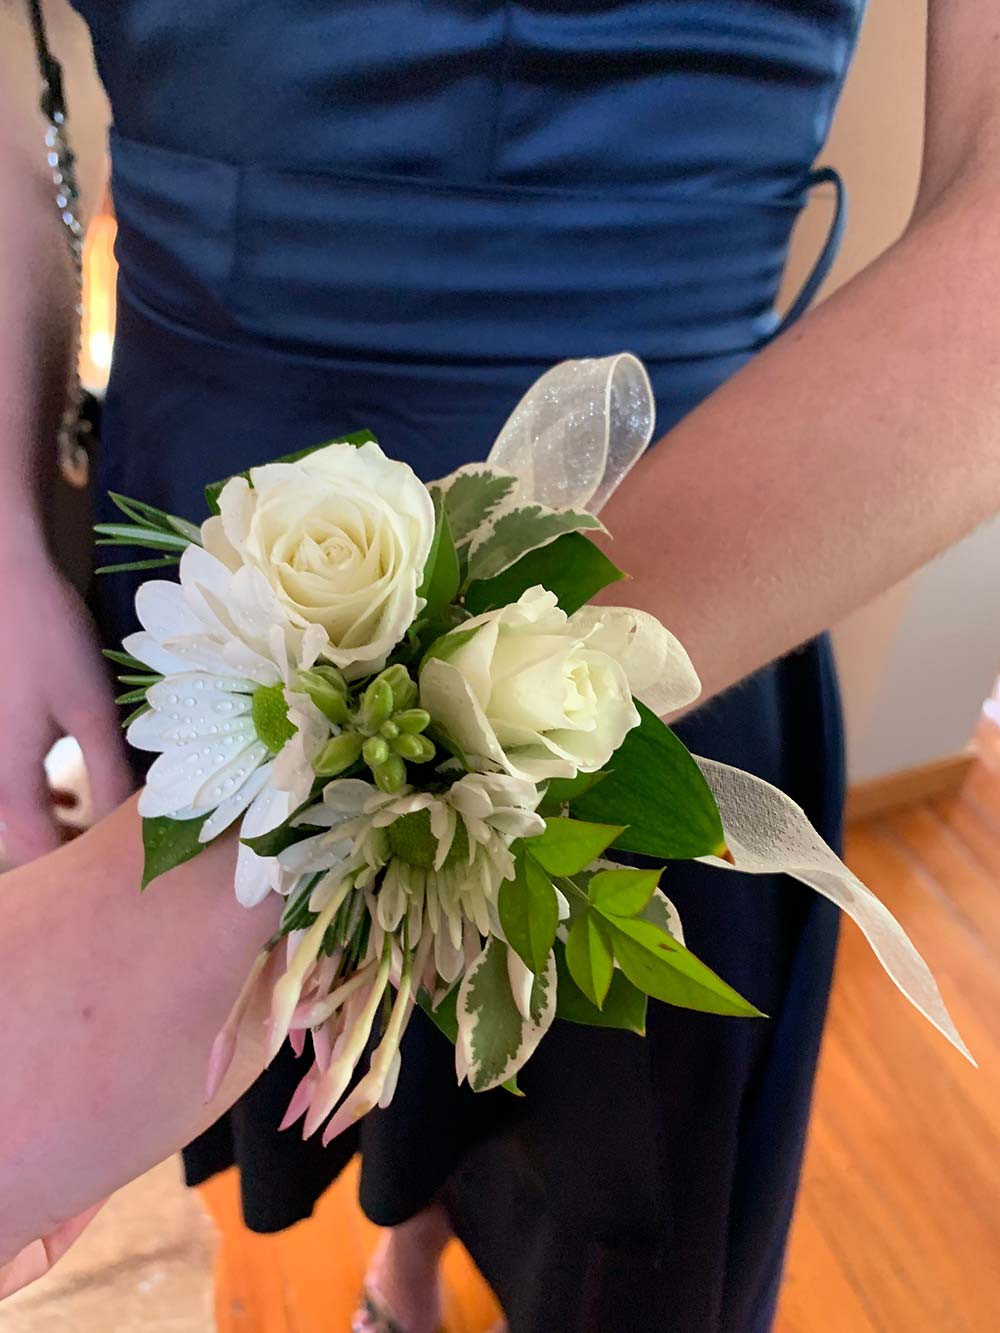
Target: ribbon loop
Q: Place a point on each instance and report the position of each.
(578, 431)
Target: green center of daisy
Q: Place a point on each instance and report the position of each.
(270, 716)
(411, 840)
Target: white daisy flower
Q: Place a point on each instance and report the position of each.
(234, 738)
(436, 857)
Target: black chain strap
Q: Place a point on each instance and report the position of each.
(74, 428)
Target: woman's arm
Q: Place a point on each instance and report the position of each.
(109, 1003)
(866, 439)
(53, 677)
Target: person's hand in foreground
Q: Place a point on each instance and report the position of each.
(109, 1004)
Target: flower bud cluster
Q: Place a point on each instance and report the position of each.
(382, 727)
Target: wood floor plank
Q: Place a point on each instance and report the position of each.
(250, 1285)
(976, 835)
(956, 871)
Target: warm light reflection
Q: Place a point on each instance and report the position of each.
(99, 276)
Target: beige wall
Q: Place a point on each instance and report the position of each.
(917, 663)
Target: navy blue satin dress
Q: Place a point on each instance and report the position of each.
(395, 214)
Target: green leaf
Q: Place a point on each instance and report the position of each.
(132, 696)
(150, 517)
(657, 790)
(589, 957)
(445, 1017)
(132, 565)
(569, 845)
(658, 965)
(124, 659)
(560, 791)
(624, 1005)
(359, 437)
(496, 1040)
(296, 914)
(124, 534)
(447, 645)
(529, 913)
(136, 712)
(571, 566)
(519, 531)
(661, 912)
(470, 496)
(189, 530)
(169, 843)
(623, 892)
(441, 573)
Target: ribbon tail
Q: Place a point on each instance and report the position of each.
(767, 833)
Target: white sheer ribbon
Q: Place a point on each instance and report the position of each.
(571, 440)
(578, 431)
(767, 833)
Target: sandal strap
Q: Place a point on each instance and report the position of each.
(378, 1314)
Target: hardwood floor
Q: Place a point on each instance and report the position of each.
(898, 1224)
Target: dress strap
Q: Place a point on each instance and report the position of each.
(821, 176)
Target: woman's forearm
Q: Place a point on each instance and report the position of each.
(109, 1003)
(854, 449)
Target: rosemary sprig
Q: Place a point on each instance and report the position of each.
(150, 528)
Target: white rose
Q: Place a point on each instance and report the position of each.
(341, 538)
(540, 694)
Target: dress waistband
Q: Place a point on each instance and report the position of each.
(418, 269)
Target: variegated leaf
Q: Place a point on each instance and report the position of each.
(471, 494)
(502, 540)
(496, 1040)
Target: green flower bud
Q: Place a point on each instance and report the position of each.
(389, 730)
(418, 749)
(376, 704)
(376, 751)
(339, 754)
(390, 775)
(404, 690)
(327, 689)
(412, 720)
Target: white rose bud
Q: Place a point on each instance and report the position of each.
(341, 538)
(540, 694)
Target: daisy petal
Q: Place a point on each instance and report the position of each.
(253, 877)
(176, 777)
(226, 781)
(230, 809)
(164, 612)
(268, 810)
(150, 651)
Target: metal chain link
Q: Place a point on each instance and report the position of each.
(74, 429)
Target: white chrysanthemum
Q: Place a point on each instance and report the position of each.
(435, 858)
(233, 738)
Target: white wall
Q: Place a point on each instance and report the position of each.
(917, 663)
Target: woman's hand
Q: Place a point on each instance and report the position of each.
(110, 1001)
(54, 684)
(36, 1259)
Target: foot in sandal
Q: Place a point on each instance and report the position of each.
(402, 1286)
